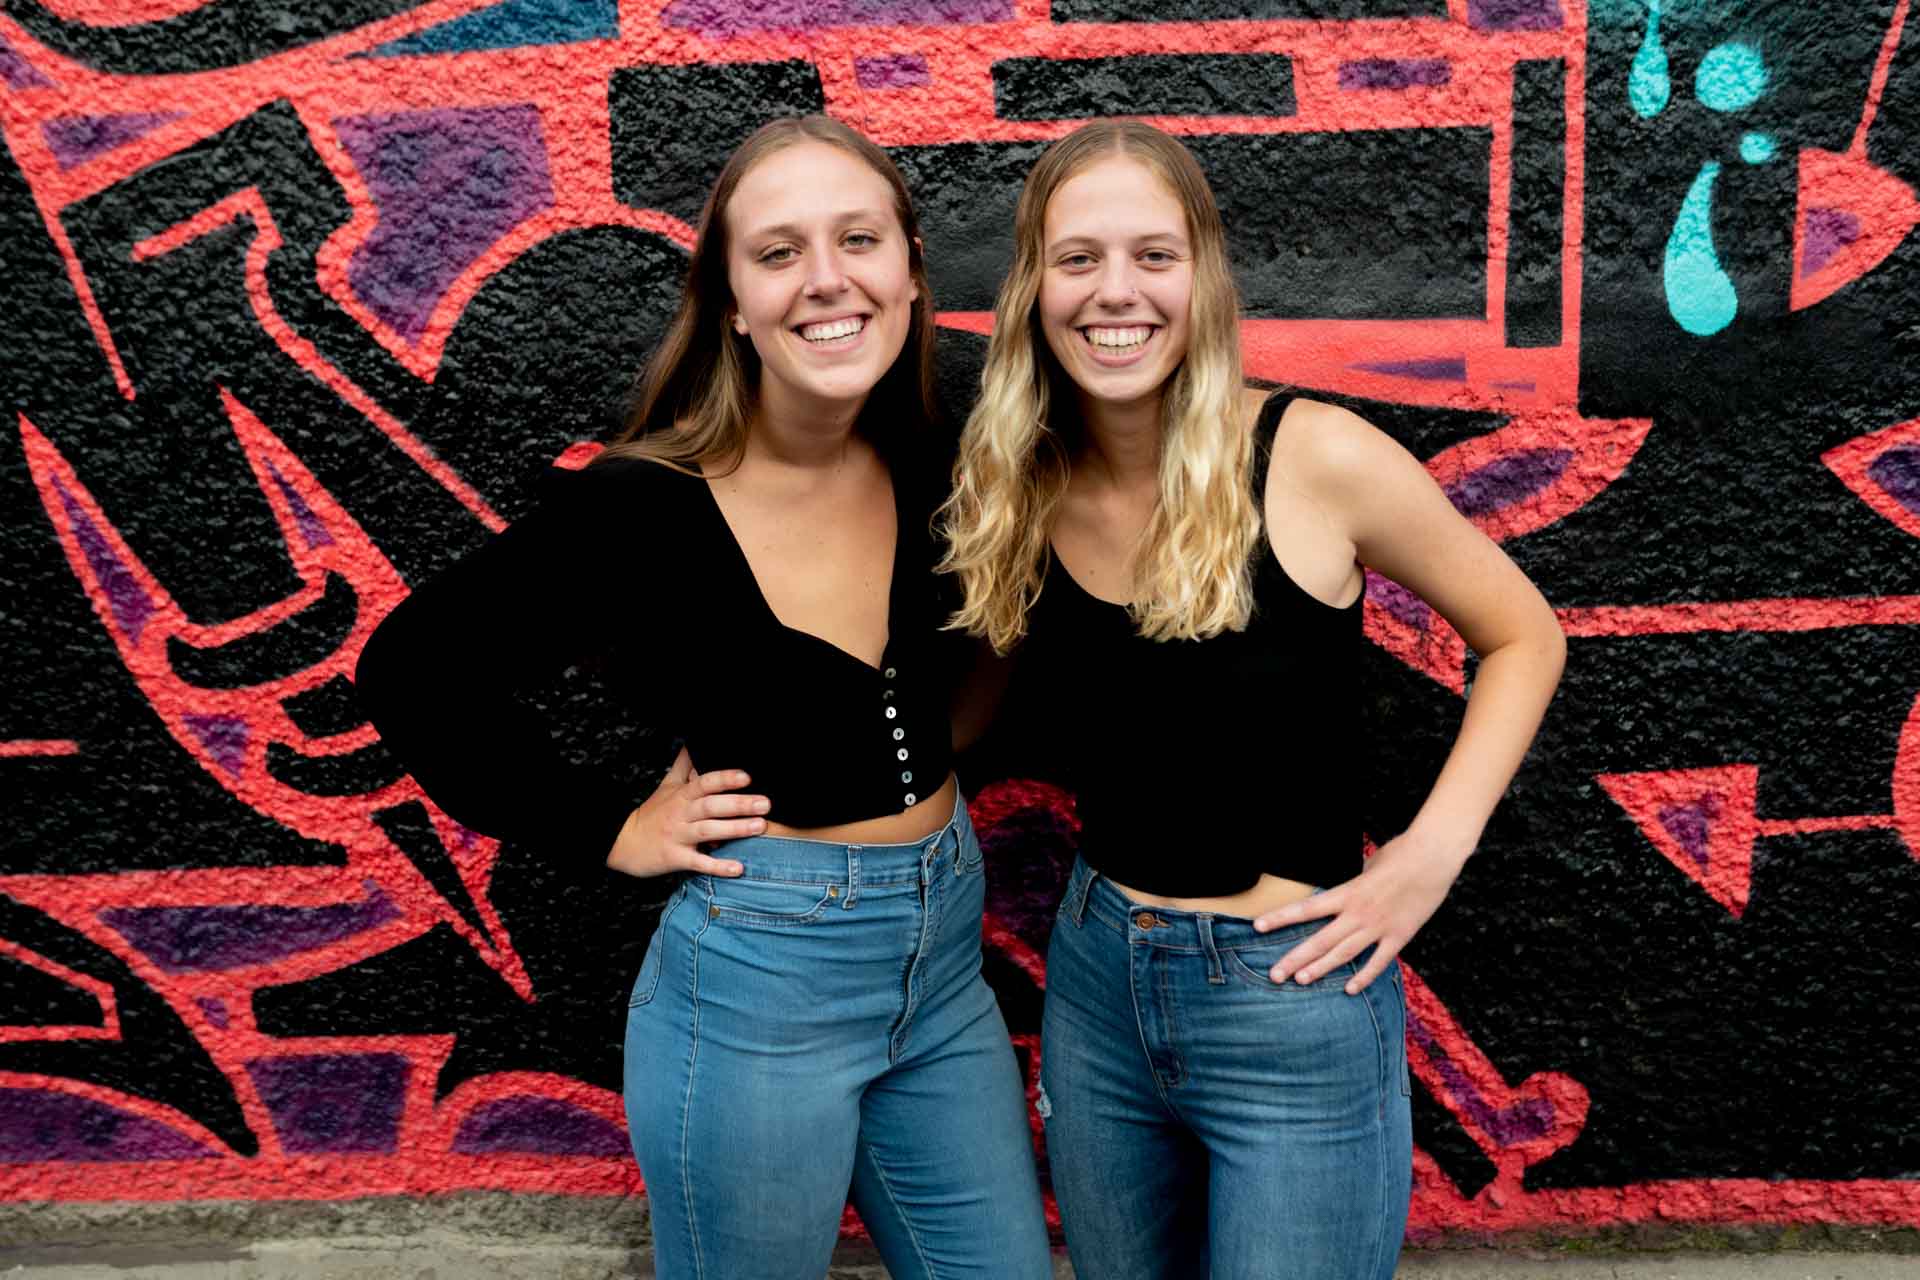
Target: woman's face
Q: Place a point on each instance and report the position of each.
(1116, 283)
(817, 261)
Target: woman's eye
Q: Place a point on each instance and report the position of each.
(1075, 261)
(861, 240)
(779, 253)
(1157, 258)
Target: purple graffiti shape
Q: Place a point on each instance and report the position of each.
(738, 17)
(1521, 1121)
(215, 1009)
(311, 529)
(224, 737)
(1514, 15)
(892, 71)
(74, 140)
(38, 1125)
(129, 604)
(1437, 369)
(1691, 824)
(213, 939)
(1828, 231)
(338, 1102)
(1401, 604)
(1395, 73)
(449, 184)
(537, 1126)
(18, 72)
(1898, 472)
(1507, 480)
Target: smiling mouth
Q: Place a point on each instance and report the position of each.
(1118, 340)
(831, 333)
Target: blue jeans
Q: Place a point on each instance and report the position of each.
(816, 1028)
(1202, 1120)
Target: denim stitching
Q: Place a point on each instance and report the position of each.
(880, 1173)
(686, 1103)
(1380, 1043)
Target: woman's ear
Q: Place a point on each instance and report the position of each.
(739, 323)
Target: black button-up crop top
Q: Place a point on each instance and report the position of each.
(599, 567)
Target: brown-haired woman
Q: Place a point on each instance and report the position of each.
(810, 1020)
(1182, 558)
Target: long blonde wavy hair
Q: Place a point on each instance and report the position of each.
(1192, 574)
(696, 395)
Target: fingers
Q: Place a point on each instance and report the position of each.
(720, 780)
(1376, 965)
(1313, 908)
(1344, 949)
(1311, 951)
(726, 805)
(714, 830)
(701, 864)
(681, 770)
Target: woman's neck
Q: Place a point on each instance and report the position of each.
(1120, 445)
(801, 433)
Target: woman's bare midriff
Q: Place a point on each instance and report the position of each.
(1270, 892)
(923, 819)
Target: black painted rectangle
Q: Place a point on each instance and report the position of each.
(1155, 84)
(1368, 224)
(1536, 210)
(673, 127)
(1203, 10)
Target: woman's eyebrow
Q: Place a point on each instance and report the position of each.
(795, 231)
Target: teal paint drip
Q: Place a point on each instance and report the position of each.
(1731, 77)
(1700, 295)
(1757, 148)
(1649, 85)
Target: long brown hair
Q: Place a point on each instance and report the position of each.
(1191, 572)
(696, 394)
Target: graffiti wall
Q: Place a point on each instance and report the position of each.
(300, 298)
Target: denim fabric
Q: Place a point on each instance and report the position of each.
(1202, 1120)
(819, 1028)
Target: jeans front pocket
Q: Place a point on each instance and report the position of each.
(649, 979)
(1250, 966)
(769, 903)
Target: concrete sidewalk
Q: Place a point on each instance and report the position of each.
(454, 1260)
(501, 1236)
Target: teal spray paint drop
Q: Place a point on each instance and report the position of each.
(1648, 84)
(1731, 77)
(1757, 148)
(1700, 295)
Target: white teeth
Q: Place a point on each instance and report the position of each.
(833, 329)
(1119, 339)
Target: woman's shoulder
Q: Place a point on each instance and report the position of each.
(613, 482)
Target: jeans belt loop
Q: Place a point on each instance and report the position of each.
(1215, 974)
(1077, 893)
(853, 877)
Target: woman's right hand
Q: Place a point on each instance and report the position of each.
(685, 811)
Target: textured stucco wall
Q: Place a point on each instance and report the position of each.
(300, 296)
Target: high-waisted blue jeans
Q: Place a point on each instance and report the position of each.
(1202, 1120)
(819, 1028)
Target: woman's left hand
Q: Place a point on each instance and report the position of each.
(1402, 885)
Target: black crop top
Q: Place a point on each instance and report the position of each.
(595, 569)
(1152, 736)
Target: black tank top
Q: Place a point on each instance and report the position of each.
(1198, 765)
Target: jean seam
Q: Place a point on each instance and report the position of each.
(686, 1102)
(1380, 1045)
(1146, 1050)
(880, 1173)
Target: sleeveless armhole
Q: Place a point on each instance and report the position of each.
(1266, 427)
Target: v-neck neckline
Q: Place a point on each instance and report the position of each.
(766, 606)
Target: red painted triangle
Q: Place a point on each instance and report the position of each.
(1701, 820)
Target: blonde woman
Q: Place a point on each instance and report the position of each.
(1178, 561)
(810, 1020)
